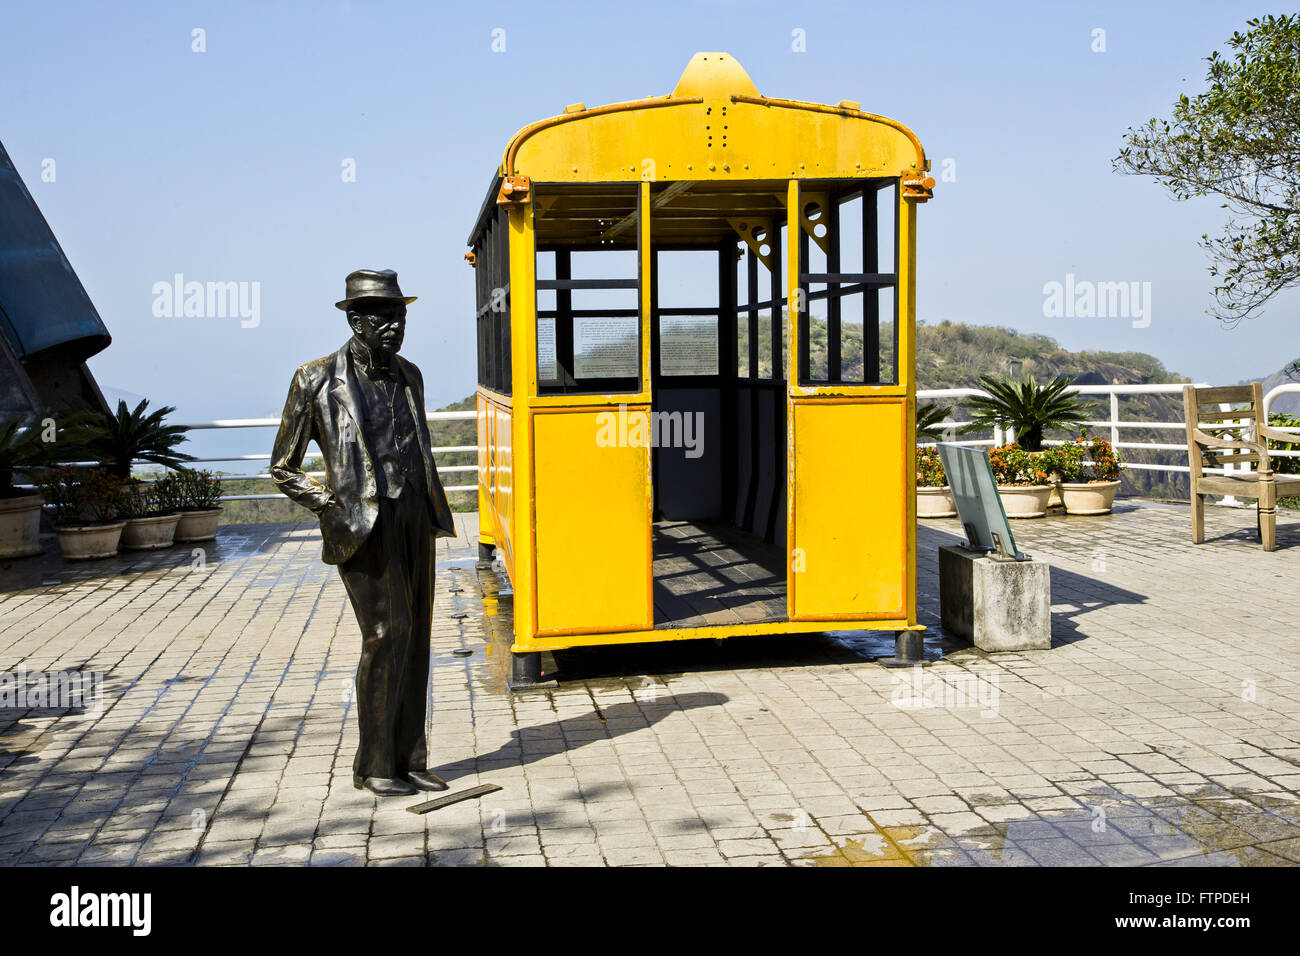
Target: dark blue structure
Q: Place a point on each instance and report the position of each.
(48, 325)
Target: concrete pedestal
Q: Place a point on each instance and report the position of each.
(996, 604)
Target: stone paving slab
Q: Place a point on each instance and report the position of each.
(1161, 728)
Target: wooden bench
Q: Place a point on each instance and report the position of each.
(1219, 435)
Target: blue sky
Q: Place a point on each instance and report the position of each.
(225, 165)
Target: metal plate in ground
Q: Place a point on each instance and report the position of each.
(448, 799)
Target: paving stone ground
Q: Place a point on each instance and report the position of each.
(1161, 728)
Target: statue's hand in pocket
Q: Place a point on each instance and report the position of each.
(333, 517)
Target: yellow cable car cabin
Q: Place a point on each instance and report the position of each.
(696, 402)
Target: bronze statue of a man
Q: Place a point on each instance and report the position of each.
(380, 509)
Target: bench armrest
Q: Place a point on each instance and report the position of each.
(1272, 434)
(1212, 441)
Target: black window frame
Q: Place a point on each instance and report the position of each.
(837, 285)
(564, 285)
(492, 273)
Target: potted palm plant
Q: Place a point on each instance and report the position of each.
(21, 447)
(152, 514)
(1029, 409)
(87, 504)
(131, 435)
(1026, 407)
(1088, 489)
(933, 495)
(199, 494)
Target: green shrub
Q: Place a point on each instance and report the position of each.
(168, 494)
(198, 490)
(1282, 463)
(83, 496)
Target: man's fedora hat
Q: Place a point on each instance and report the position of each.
(372, 284)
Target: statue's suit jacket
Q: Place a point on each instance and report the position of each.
(324, 405)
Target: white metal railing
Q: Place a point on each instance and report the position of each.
(1114, 424)
(467, 415)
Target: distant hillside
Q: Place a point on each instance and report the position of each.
(954, 355)
(949, 355)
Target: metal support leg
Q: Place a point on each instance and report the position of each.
(909, 650)
(525, 669)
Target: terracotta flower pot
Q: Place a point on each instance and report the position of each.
(935, 502)
(1089, 497)
(20, 526)
(1024, 501)
(81, 542)
(149, 533)
(198, 525)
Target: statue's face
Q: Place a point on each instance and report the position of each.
(380, 325)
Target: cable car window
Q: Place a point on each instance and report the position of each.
(848, 315)
(492, 299)
(588, 287)
(687, 312)
(588, 322)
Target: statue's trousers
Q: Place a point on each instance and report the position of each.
(390, 583)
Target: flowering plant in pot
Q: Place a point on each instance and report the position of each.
(199, 494)
(1029, 409)
(933, 496)
(151, 518)
(1089, 475)
(87, 505)
(1022, 478)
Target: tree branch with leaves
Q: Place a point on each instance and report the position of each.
(1238, 141)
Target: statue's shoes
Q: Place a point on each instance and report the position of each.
(423, 780)
(384, 786)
